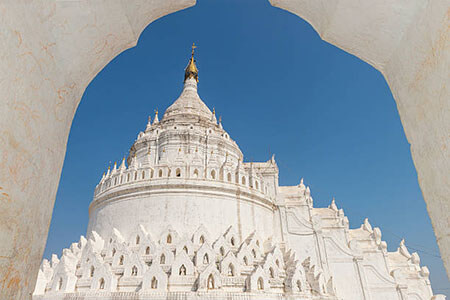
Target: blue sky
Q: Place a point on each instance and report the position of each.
(328, 117)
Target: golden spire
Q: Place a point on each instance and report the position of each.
(191, 70)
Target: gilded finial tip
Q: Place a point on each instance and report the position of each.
(193, 48)
(191, 70)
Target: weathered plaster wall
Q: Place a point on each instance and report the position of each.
(50, 51)
(408, 41)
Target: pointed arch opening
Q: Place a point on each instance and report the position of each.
(231, 270)
(299, 285)
(154, 284)
(211, 283)
(101, 284)
(260, 283)
(134, 271)
(182, 271)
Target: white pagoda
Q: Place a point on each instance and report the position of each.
(184, 217)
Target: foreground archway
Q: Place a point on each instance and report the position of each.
(49, 59)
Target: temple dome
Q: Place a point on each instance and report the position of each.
(188, 107)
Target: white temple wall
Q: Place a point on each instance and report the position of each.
(184, 213)
(302, 238)
(348, 284)
(378, 284)
(328, 248)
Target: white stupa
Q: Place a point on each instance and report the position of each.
(189, 219)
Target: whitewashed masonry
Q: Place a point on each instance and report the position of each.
(189, 219)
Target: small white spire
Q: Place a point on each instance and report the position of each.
(301, 184)
(156, 120)
(377, 235)
(108, 172)
(403, 250)
(213, 117)
(220, 122)
(149, 123)
(114, 170)
(333, 205)
(54, 260)
(123, 167)
(415, 258)
(367, 225)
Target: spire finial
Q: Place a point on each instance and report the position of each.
(193, 49)
(191, 70)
